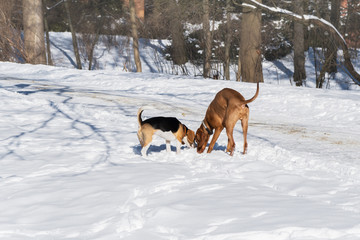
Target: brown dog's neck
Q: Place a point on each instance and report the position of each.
(210, 132)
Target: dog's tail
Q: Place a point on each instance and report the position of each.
(140, 121)
(255, 96)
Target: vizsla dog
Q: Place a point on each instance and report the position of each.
(224, 111)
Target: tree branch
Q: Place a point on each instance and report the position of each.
(308, 20)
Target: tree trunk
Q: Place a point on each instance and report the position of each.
(73, 34)
(238, 74)
(46, 26)
(34, 31)
(92, 47)
(135, 36)
(325, 68)
(332, 48)
(250, 44)
(207, 39)
(299, 57)
(177, 32)
(227, 41)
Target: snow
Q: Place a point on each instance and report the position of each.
(71, 167)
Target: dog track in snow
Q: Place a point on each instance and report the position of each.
(135, 212)
(24, 86)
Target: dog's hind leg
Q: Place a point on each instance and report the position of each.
(230, 121)
(231, 143)
(244, 124)
(145, 147)
(140, 137)
(144, 150)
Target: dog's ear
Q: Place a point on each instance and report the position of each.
(198, 135)
(184, 128)
(191, 135)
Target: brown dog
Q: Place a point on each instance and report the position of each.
(224, 111)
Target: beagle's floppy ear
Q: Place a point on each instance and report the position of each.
(184, 128)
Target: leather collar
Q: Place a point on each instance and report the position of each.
(210, 132)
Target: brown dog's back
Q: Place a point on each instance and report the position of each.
(224, 100)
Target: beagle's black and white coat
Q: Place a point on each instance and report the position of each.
(169, 128)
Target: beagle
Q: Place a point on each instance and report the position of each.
(169, 128)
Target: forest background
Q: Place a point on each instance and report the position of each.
(211, 34)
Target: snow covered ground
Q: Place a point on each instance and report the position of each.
(71, 168)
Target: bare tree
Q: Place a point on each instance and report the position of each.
(331, 51)
(177, 34)
(46, 26)
(34, 31)
(250, 45)
(73, 34)
(238, 73)
(11, 43)
(135, 37)
(227, 41)
(351, 29)
(299, 48)
(87, 42)
(207, 39)
(338, 39)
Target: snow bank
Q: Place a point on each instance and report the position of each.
(71, 168)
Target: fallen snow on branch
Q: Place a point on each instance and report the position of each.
(294, 15)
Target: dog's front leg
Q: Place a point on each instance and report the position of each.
(186, 142)
(168, 148)
(214, 139)
(178, 146)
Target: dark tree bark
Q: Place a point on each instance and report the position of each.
(73, 34)
(299, 48)
(46, 26)
(331, 51)
(177, 33)
(207, 38)
(92, 45)
(238, 74)
(227, 41)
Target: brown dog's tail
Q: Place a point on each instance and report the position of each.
(139, 116)
(255, 96)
